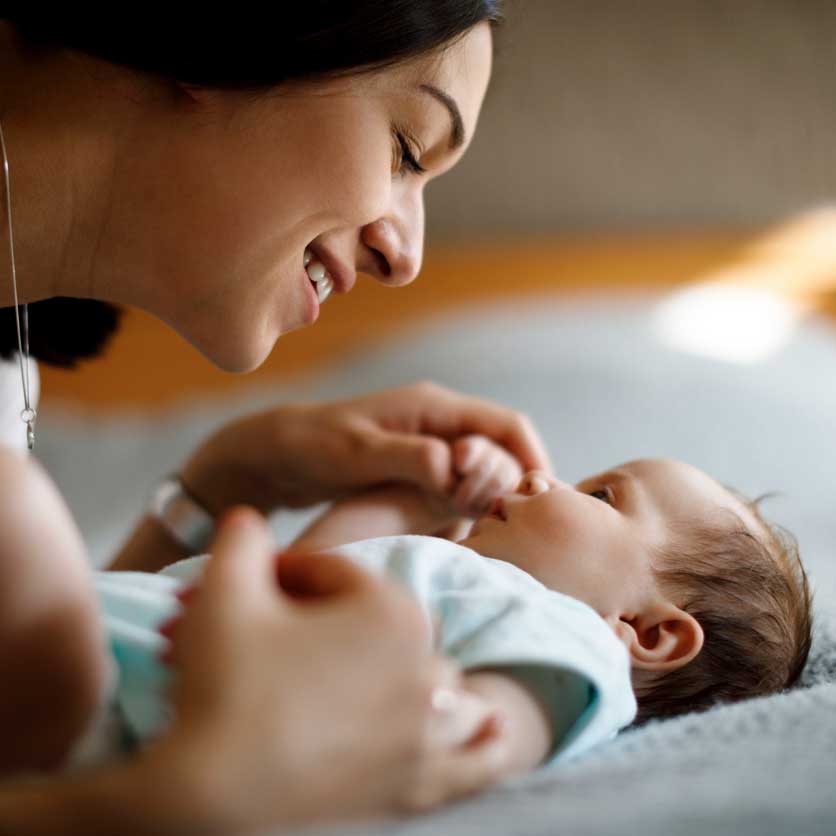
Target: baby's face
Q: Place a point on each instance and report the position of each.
(594, 541)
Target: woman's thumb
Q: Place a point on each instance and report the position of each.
(307, 576)
(424, 460)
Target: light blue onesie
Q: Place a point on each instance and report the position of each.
(484, 613)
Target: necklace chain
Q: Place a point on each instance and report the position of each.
(28, 414)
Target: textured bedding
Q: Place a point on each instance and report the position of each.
(602, 389)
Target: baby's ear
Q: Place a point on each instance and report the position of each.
(662, 639)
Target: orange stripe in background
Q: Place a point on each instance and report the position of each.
(148, 366)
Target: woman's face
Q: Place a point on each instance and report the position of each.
(223, 210)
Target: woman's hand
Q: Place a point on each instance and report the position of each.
(314, 699)
(299, 454)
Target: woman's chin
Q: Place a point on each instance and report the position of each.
(239, 357)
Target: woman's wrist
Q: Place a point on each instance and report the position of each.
(148, 549)
(219, 475)
(138, 797)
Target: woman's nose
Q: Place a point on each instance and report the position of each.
(396, 241)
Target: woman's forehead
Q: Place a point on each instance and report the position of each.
(460, 71)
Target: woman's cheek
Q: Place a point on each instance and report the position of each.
(369, 197)
(361, 184)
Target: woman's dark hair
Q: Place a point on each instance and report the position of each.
(279, 43)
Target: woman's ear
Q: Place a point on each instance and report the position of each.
(662, 639)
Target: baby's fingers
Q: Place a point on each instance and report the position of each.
(492, 472)
(461, 772)
(476, 492)
(469, 450)
(458, 718)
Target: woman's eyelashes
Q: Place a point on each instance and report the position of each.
(406, 161)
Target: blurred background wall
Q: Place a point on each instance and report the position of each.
(648, 114)
(623, 146)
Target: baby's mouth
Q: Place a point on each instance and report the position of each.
(497, 510)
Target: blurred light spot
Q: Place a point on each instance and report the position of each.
(726, 322)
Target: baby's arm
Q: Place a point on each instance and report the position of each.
(379, 512)
(483, 471)
(523, 721)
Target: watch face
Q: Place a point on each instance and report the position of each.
(188, 523)
(164, 494)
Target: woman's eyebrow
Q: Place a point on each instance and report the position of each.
(457, 136)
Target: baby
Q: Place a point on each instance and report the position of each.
(646, 591)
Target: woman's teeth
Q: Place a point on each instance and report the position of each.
(319, 276)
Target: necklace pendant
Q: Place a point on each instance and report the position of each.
(28, 416)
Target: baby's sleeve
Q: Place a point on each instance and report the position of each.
(488, 614)
(560, 649)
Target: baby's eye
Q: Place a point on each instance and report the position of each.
(604, 494)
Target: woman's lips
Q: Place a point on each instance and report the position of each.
(312, 301)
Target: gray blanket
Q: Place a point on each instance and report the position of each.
(603, 389)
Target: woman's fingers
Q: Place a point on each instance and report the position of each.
(242, 562)
(404, 457)
(450, 414)
(400, 435)
(241, 568)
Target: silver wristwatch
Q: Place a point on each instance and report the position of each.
(182, 516)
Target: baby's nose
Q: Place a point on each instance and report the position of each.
(536, 482)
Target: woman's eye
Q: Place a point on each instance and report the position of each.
(604, 494)
(405, 156)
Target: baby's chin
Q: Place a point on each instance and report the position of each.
(487, 545)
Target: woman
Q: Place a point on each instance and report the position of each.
(227, 180)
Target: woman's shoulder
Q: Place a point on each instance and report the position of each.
(25, 489)
(39, 539)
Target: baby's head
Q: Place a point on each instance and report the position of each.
(710, 601)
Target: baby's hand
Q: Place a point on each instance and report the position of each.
(485, 471)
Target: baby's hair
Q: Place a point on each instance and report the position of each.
(749, 592)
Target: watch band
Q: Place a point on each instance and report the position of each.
(182, 516)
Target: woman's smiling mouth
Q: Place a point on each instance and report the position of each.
(318, 275)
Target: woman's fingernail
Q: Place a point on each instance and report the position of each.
(166, 629)
(185, 595)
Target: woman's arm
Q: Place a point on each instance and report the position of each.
(173, 803)
(216, 771)
(482, 469)
(149, 548)
(135, 798)
(299, 454)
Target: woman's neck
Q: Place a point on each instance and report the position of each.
(30, 153)
(50, 109)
